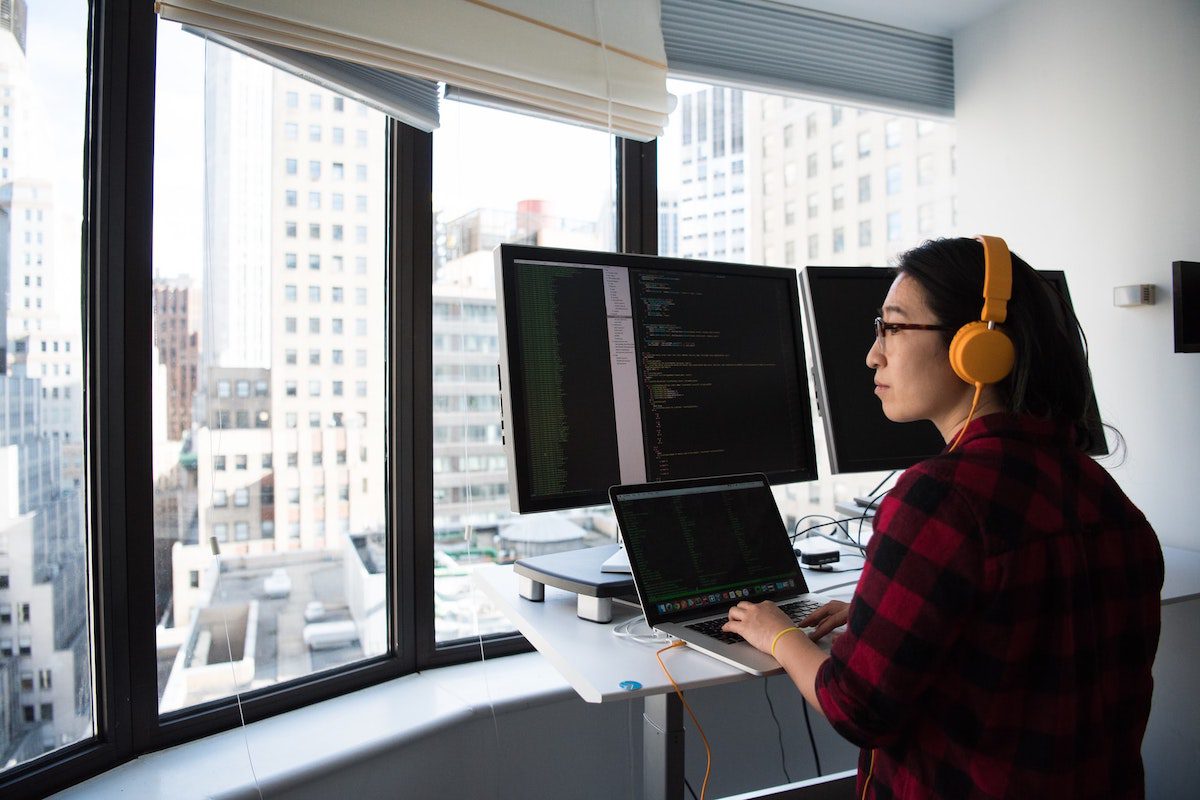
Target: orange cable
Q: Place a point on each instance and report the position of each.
(870, 772)
(696, 722)
(970, 415)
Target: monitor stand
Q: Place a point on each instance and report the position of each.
(577, 571)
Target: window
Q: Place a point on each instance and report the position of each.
(837, 156)
(811, 165)
(864, 144)
(925, 219)
(864, 233)
(925, 176)
(839, 197)
(893, 226)
(864, 188)
(356, 500)
(813, 206)
(893, 179)
(892, 134)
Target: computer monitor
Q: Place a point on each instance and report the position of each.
(840, 305)
(622, 369)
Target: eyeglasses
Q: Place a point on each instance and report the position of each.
(882, 328)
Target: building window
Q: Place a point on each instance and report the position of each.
(925, 174)
(892, 134)
(864, 188)
(864, 144)
(893, 226)
(864, 233)
(893, 179)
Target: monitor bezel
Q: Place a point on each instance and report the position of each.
(512, 392)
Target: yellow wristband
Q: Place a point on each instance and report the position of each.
(779, 636)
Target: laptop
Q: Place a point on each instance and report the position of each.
(697, 547)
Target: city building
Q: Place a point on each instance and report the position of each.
(846, 186)
(176, 312)
(45, 666)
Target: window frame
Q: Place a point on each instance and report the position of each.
(117, 274)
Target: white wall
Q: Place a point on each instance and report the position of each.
(1079, 142)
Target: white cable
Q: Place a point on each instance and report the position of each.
(651, 638)
(216, 550)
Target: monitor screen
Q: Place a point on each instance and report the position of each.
(622, 369)
(841, 304)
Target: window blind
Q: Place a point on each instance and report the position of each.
(767, 45)
(596, 61)
(411, 100)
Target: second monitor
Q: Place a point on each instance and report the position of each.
(625, 369)
(841, 304)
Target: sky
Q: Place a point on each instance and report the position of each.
(56, 54)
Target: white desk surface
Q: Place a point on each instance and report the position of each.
(592, 659)
(595, 662)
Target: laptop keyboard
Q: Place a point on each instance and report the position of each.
(796, 611)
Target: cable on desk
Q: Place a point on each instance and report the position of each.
(692, 714)
(778, 729)
(652, 638)
(811, 739)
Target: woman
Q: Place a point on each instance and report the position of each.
(1000, 639)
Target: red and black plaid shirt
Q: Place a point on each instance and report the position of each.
(1000, 640)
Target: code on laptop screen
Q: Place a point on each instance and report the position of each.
(706, 545)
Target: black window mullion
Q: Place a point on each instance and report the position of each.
(410, 391)
(637, 196)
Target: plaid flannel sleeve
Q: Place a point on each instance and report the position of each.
(924, 564)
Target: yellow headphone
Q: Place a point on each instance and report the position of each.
(980, 353)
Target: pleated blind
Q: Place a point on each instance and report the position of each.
(410, 100)
(600, 62)
(774, 46)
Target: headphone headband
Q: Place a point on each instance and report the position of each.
(997, 278)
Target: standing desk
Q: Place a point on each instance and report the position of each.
(595, 663)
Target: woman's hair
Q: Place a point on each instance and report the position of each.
(1050, 377)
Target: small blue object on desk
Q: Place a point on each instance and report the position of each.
(630, 686)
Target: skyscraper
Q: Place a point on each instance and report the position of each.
(44, 656)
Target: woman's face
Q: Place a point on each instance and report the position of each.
(913, 377)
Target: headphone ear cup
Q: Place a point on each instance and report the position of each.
(980, 355)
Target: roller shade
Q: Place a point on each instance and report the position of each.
(773, 46)
(600, 62)
(410, 100)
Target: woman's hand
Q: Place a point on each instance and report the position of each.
(829, 616)
(757, 623)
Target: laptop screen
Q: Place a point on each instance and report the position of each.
(698, 546)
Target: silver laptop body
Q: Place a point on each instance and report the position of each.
(697, 547)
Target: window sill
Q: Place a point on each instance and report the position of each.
(298, 747)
